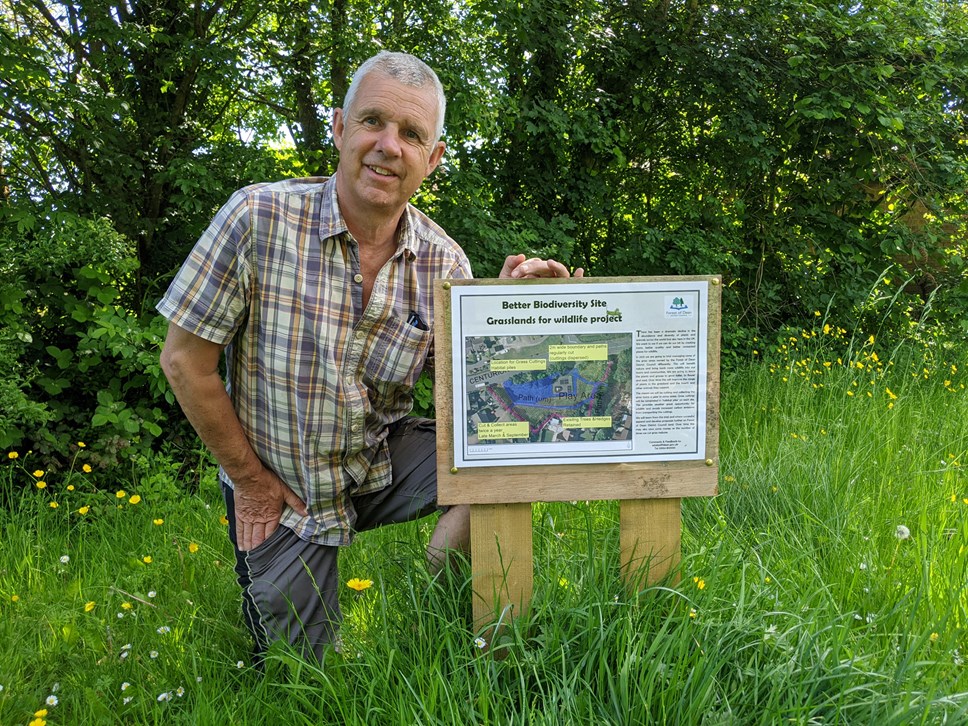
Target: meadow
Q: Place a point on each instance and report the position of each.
(824, 584)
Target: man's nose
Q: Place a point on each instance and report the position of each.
(389, 141)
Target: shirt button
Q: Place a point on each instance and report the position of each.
(358, 277)
(355, 428)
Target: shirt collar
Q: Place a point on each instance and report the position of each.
(332, 224)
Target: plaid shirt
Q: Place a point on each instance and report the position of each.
(315, 379)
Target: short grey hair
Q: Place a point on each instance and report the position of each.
(408, 70)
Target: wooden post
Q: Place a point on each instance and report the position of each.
(501, 548)
(650, 535)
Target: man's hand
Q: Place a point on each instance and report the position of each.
(258, 508)
(517, 267)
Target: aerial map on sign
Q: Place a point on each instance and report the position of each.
(525, 389)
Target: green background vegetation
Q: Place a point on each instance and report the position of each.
(797, 149)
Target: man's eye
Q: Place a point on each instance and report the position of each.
(413, 135)
(370, 121)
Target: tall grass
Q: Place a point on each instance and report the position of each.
(824, 584)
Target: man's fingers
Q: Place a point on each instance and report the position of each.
(294, 501)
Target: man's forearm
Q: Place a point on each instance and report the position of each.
(209, 409)
(191, 366)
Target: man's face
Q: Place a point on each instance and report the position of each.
(386, 144)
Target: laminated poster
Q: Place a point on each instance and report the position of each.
(579, 373)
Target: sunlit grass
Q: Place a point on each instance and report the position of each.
(825, 583)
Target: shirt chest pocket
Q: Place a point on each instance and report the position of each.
(396, 357)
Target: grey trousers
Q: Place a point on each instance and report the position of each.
(290, 587)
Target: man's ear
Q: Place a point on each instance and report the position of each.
(435, 156)
(338, 128)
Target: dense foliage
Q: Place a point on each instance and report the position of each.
(799, 149)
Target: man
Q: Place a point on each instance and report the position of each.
(320, 292)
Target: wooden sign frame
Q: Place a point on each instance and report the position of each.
(501, 497)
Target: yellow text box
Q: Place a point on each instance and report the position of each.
(591, 351)
(519, 364)
(503, 430)
(587, 422)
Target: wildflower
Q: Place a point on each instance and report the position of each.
(692, 612)
(41, 485)
(135, 499)
(120, 616)
(891, 394)
(39, 473)
(120, 494)
(53, 505)
(223, 520)
(198, 679)
(51, 700)
(86, 469)
(126, 700)
(863, 565)
(192, 547)
(81, 444)
(65, 559)
(240, 665)
(934, 637)
(480, 643)
(41, 713)
(358, 584)
(956, 657)
(700, 583)
(563, 582)
(55, 688)
(153, 654)
(770, 632)
(163, 629)
(166, 696)
(84, 510)
(158, 522)
(13, 455)
(151, 593)
(15, 598)
(125, 686)
(70, 487)
(767, 580)
(902, 532)
(89, 606)
(146, 559)
(126, 606)
(37, 722)
(179, 691)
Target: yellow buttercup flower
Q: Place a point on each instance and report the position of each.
(41, 485)
(192, 547)
(89, 606)
(86, 469)
(158, 522)
(84, 510)
(121, 494)
(39, 473)
(13, 455)
(358, 584)
(81, 444)
(135, 499)
(147, 559)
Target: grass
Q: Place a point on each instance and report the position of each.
(824, 584)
